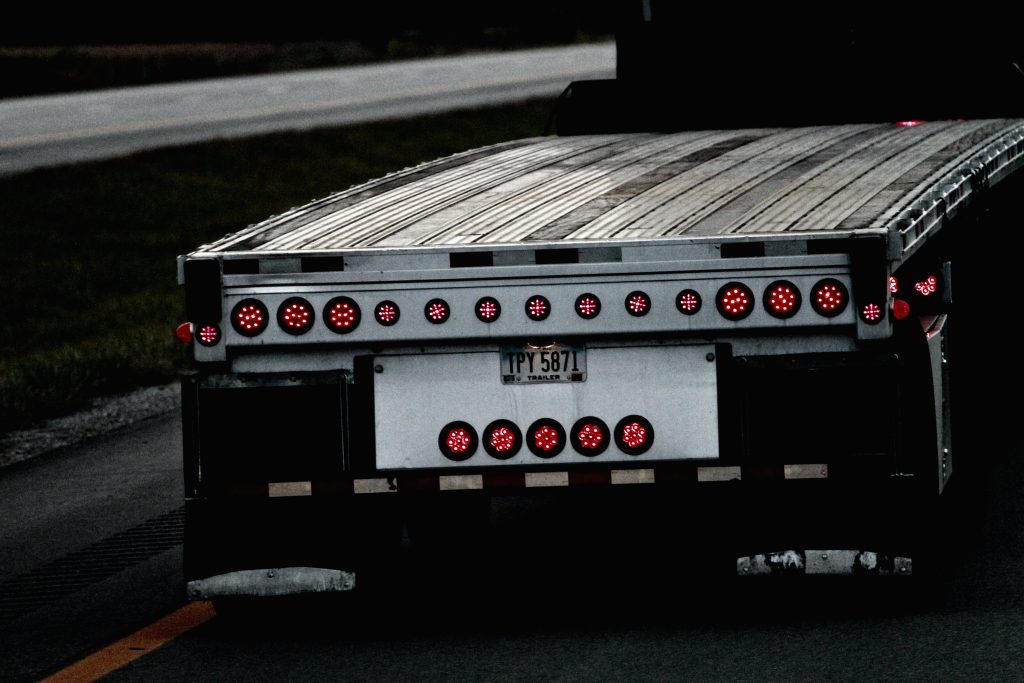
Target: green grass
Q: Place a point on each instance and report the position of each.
(88, 292)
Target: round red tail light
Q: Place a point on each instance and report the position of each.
(488, 309)
(782, 299)
(830, 297)
(735, 301)
(387, 313)
(208, 335)
(634, 435)
(900, 309)
(502, 439)
(871, 313)
(688, 302)
(545, 438)
(638, 303)
(458, 441)
(588, 306)
(342, 315)
(589, 436)
(437, 311)
(295, 315)
(184, 333)
(249, 317)
(537, 307)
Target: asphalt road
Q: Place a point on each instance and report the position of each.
(63, 129)
(554, 618)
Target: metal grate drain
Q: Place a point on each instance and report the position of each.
(82, 568)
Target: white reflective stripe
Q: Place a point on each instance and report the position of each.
(461, 481)
(547, 479)
(632, 476)
(806, 471)
(371, 486)
(285, 489)
(718, 473)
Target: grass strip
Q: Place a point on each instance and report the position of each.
(87, 265)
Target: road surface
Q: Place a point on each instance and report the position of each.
(62, 129)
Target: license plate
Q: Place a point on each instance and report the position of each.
(550, 363)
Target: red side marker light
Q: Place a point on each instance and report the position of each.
(909, 124)
(900, 309)
(458, 441)
(184, 333)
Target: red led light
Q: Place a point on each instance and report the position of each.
(457, 441)
(735, 301)
(184, 333)
(589, 436)
(927, 287)
(342, 314)
(688, 302)
(588, 306)
(488, 309)
(502, 439)
(208, 335)
(249, 317)
(387, 313)
(546, 438)
(295, 316)
(538, 307)
(900, 309)
(894, 284)
(437, 311)
(634, 435)
(871, 313)
(909, 124)
(638, 303)
(830, 298)
(782, 299)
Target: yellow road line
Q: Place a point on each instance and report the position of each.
(138, 644)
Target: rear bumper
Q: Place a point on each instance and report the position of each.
(271, 582)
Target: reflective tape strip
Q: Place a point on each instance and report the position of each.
(547, 479)
(806, 471)
(718, 473)
(371, 486)
(461, 482)
(286, 489)
(632, 476)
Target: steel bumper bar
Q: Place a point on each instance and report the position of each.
(271, 582)
(862, 562)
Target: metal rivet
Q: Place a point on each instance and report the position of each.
(710, 357)
(824, 556)
(378, 369)
(270, 573)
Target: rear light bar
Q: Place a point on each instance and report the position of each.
(734, 302)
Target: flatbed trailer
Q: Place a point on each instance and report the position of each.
(712, 314)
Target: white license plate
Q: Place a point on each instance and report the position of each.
(550, 363)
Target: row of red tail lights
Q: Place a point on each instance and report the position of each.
(734, 301)
(545, 438)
